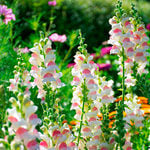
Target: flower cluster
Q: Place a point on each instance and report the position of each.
(133, 42)
(133, 118)
(17, 82)
(106, 92)
(6, 14)
(23, 122)
(44, 69)
(57, 137)
(133, 113)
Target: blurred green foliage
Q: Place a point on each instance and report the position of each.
(91, 16)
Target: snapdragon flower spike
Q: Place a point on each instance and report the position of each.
(104, 100)
(84, 70)
(84, 73)
(128, 37)
(36, 60)
(49, 73)
(22, 114)
(44, 69)
(121, 35)
(134, 42)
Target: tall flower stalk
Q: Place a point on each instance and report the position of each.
(85, 92)
(22, 119)
(130, 43)
(119, 32)
(47, 78)
(84, 100)
(120, 108)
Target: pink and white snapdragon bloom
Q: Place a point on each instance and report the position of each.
(24, 127)
(127, 145)
(133, 114)
(44, 69)
(106, 93)
(6, 14)
(61, 139)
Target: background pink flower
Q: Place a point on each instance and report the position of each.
(7, 14)
(104, 66)
(148, 27)
(105, 50)
(25, 50)
(58, 38)
(70, 65)
(52, 3)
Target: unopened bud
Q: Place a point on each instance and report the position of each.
(20, 96)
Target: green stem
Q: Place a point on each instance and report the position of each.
(24, 147)
(120, 107)
(11, 34)
(66, 56)
(123, 78)
(51, 20)
(123, 94)
(53, 109)
(117, 147)
(84, 99)
(105, 122)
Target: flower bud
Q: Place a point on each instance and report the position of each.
(23, 64)
(13, 101)
(20, 96)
